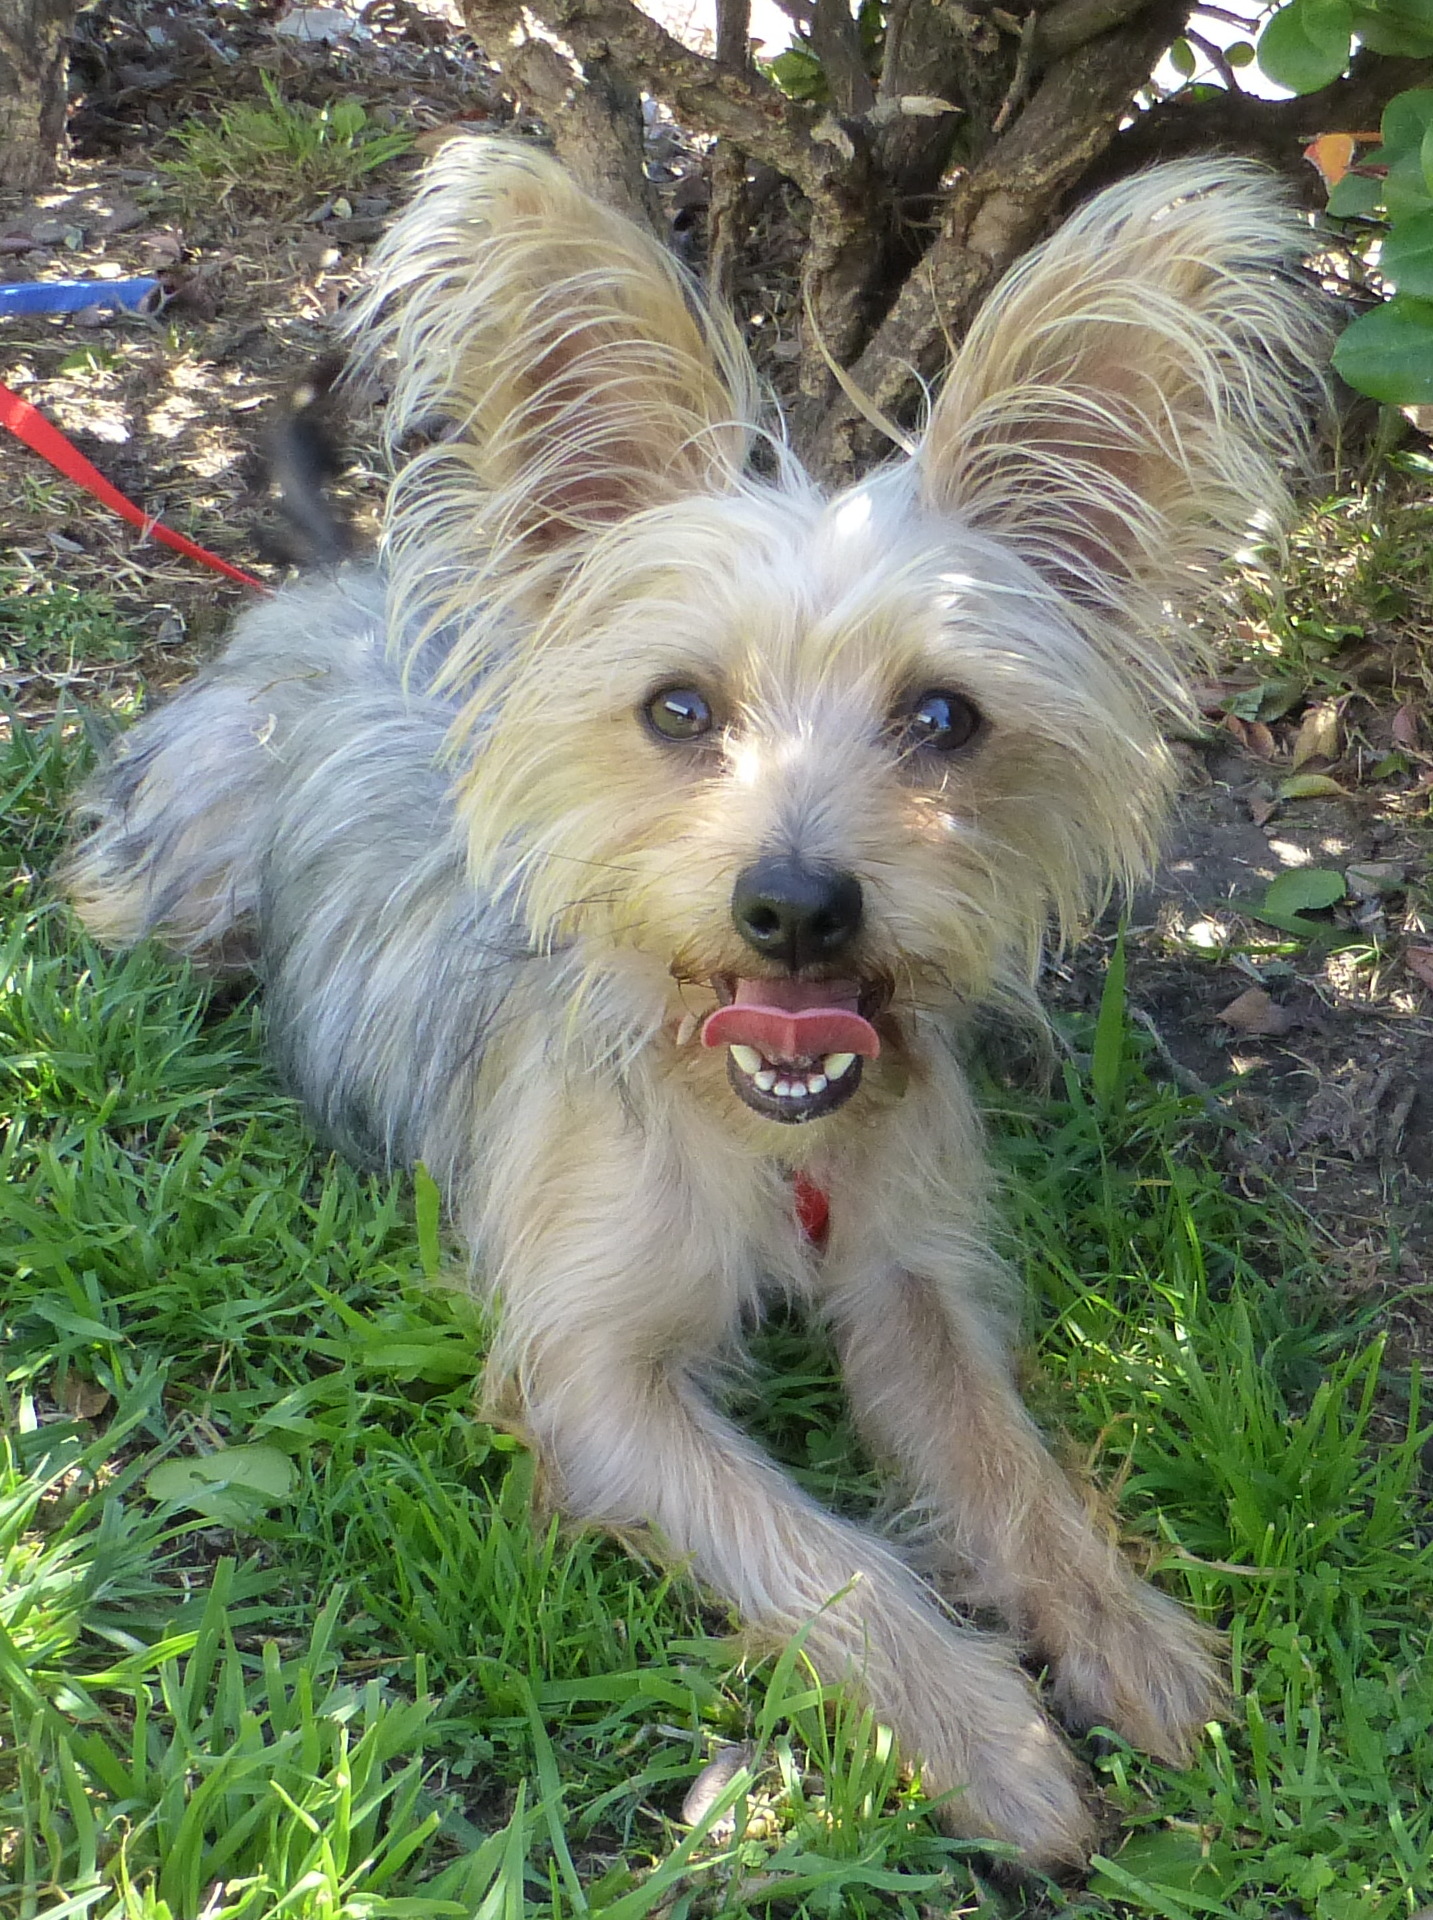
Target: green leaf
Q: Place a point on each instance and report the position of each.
(1181, 58)
(800, 74)
(1240, 53)
(347, 118)
(1307, 44)
(231, 1486)
(1388, 354)
(1303, 889)
(1173, 1861)
(1309, 786)
(1407, 257)
(1356, 193)
(1383, 31)
(1406, 119)
(1413, 13)
(1405, 187)
(1110, 1878)
(428, 1210)
(1107, 1060)
(1278, 697)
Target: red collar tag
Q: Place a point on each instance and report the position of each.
(813, 1209)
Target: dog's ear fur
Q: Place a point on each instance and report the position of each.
(1118, 409)
(561, 357)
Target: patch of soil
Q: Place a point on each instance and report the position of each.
(173, 406)
(1320, 1048)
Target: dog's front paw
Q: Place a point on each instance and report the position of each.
(1137, 1663)
(987, 1752)
(1022, 1788)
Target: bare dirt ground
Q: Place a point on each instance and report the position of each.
(1318, 1039)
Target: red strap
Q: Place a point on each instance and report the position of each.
(44, 438)
(813, 1209)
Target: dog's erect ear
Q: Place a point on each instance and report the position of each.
(1120, 407)
(559, 350)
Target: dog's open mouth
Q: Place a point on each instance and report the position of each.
(794, 1047)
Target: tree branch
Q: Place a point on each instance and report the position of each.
(994, 212)
(727, 214)
(1071, 24)
(738, 106)
(594, 111)
(1274, 130)
(837, 46)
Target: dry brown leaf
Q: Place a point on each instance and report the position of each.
(1369, 878)
(713, 1780)
(1260, 740)
(1317, 738)
(1332, 154)
(164, 247)
(1254, 1012)
(1419, 962)
(84, 1398)
(1405, 729)
(1210, 695)
(1262, 806)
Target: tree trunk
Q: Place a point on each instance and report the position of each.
(34, 37)
(931, 165)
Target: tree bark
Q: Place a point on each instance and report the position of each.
(727, 214)
(34, 37)
(992, 213)
(1275, 131)
(592, 106)
(925, 183)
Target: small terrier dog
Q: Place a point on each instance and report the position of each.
(629, 846)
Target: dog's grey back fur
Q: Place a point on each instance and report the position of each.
(290, 807)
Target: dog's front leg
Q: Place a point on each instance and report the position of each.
(931, 1385)
(608, 1312)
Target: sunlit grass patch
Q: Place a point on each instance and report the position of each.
(392, 1687)
(280, 151)
(1358, 568)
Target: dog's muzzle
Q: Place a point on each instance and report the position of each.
(794, 1047)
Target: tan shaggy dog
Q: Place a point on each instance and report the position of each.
(630, 845)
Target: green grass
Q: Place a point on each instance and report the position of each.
(279, 151)
(53, 633)
(391, 1689)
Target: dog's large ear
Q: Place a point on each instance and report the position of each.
(558, 351)
(1119, 410)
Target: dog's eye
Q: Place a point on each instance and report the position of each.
(678, 713)
(939, 722)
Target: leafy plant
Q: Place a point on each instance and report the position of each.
(1387, 352)
(281, 150)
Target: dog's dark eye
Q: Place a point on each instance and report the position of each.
(939, 722)
(679, 713)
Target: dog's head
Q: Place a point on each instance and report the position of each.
(822, 765)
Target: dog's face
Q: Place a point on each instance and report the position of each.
(804, 766)
(822, 763)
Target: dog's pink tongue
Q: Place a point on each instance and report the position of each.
(793, 1020)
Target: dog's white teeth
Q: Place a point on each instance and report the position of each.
(817, 1083)
(766, 1079)
(785, 1089)
(835, 1064)
(747, 1058)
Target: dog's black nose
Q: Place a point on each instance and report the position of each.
(796, 914)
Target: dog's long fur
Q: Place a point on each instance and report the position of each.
(489, 905)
